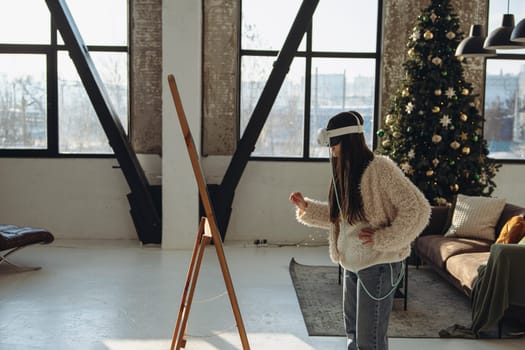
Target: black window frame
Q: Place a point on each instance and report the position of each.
(308, 54)
(51, 52)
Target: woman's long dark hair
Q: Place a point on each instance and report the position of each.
(347, 170)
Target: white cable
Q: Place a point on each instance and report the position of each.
(393, 284)
(203, 301)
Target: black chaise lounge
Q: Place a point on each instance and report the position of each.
(13, 238)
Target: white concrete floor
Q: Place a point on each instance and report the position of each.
(116, 295)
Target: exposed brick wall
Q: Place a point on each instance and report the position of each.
(220, 70)
(146, 76)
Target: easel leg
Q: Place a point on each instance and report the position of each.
(201, 242)
(231, 293)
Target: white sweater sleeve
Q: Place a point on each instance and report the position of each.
(411, 207)
(316, 214)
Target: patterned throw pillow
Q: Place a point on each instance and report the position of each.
(475, 217)
(512, 231)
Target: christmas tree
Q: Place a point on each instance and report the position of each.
(434, 130)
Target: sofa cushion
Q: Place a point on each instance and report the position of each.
(437, 248)
(475, 217)
(513, 231)
(464, 267)
(508, 212)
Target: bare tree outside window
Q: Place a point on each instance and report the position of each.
(79, 128)
(23, 109)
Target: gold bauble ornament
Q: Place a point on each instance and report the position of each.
(437, 61)
(436, 138)
(454, 187)
(436, 109)
(465, 150)
(437, 92)
(412, 53)
(451, 35)
(430, 172)
(405, 92)
(428, 35)
(463, 117)
(454, 145)
(465, 91)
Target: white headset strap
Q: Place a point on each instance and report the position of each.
(354, 129)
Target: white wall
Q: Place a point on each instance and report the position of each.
(509, 181)
(261, 208)
(73, 198)
(181, 41)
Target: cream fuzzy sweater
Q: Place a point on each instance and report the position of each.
(394, 208)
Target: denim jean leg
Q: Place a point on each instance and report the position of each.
(373, 314)
(349, 307)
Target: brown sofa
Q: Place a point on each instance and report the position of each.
(456, 259)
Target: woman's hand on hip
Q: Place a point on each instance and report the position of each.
(366, 235)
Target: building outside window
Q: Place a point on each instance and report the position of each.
(335, 69)
(44, 108)
(505, 91)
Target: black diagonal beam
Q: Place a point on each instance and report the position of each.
(224, 193)
(143, 211)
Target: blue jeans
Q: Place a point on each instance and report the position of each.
(366, 319)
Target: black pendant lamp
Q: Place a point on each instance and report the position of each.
(472, 46)
(518, 34)
(499, 38)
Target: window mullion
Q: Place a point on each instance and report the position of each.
(307, 93)
(52, 94)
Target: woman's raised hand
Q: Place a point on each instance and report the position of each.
(298, 199)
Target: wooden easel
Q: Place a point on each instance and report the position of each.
(208, 231)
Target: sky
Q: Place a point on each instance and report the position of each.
(20, 26)
(337, 24)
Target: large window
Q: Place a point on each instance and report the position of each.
(505, 91)
(335, 69)
(44, 108)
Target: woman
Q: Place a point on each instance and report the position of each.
(373, 214)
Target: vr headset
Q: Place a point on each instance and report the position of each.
(324, 136)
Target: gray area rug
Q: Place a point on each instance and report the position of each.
(432, 303)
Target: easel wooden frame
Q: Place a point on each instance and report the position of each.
(208, 230)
